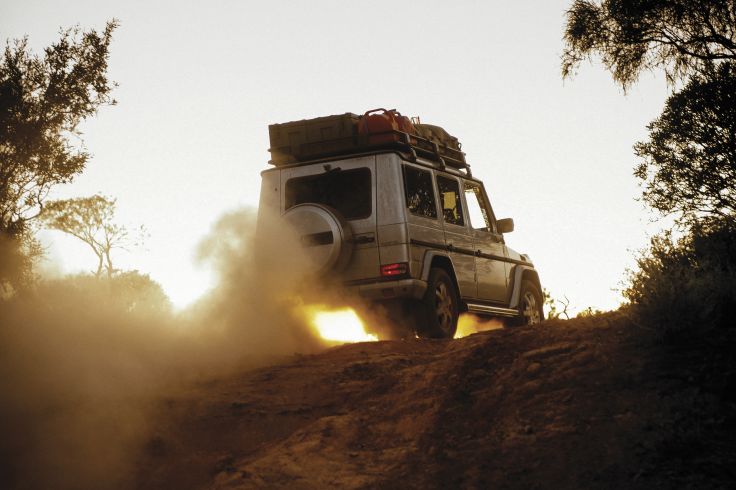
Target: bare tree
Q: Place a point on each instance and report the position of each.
(90, 219)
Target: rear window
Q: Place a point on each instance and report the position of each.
(348, 191)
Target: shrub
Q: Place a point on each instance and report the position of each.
(588, 312)
(127, 293)
(687, 284)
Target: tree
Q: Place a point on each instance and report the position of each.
(90, 219)
(679, 36)
(42, 102)
(688, 166)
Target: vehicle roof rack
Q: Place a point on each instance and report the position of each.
(330, 136)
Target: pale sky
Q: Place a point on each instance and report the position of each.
(199, 83)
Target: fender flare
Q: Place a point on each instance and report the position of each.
(518, 274)
(429, 256)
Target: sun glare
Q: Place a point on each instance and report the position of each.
(469, 324)
(186, 286)
(342, 325)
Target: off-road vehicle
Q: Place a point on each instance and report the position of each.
(389, 208)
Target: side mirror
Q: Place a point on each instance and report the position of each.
(505, 225)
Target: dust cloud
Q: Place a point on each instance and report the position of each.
(84, 363)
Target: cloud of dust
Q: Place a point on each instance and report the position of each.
(255, 309)
(83, 365)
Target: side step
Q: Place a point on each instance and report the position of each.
(491, 310)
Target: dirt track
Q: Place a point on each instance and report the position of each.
(581, 404)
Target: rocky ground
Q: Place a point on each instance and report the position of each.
(588, 403)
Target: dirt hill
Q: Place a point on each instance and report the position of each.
(588, 403)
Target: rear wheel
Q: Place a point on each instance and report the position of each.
(439, 309)
(531, 310)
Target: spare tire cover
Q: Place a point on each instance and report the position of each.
(324, 234)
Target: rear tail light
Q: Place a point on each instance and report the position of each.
(398, 269)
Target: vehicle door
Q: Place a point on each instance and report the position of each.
(348, 187)
(422, 217)
(458, 236)
(490, 250)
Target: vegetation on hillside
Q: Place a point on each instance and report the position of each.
(688, 166)
(688, 283)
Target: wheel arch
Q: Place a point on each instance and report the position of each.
(442, 261)
(521, 273)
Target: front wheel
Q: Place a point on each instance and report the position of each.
(531, 310)
(440, 307)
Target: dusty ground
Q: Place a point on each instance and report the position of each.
(589, 403)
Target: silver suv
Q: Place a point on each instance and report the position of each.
(407, 231)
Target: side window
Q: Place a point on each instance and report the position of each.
(419, 192)
(477, 210)
(452, 208)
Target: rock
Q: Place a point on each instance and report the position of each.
(533, 368)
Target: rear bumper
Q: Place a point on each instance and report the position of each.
(383, 290)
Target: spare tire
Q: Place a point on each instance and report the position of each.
(324, 234)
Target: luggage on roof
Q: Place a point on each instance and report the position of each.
(437, 135)
(297, 141)
(381, 126)
(348, 133)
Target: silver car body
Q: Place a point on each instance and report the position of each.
(487, 273)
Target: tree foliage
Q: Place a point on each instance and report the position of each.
(90, 219)
(679, 36)
(18, 255)
(688, 166)
(42, 101)
(140, 293)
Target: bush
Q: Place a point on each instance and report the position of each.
(687, 284)
(125, 292)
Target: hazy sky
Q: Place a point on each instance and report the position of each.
(200, 82)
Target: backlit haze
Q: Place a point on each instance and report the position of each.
(199, 84)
